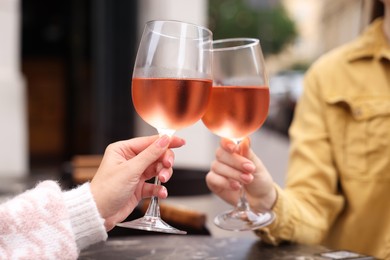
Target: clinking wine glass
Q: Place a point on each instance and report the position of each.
(238, 107)
(171, 86)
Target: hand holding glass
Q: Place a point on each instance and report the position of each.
(237, 108)
(171, 87)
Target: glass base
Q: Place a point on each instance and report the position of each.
(150, 223)
(235, 220)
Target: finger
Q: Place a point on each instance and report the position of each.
(228, 190)
(133, 145)
(231, 173)
(217, 183)
(176, 142)
(228, 145)
(168, 158)
(235, 185)
(162, 192)
(235, 161)
(137, 145)
(165, 174)
(152, 170)
(149, 155)
(166, 161)
(150, 190)
(244, 147)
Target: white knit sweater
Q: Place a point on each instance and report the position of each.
(46, 223)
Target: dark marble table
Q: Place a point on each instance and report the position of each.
(197, 247)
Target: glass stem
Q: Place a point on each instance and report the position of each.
(153, 208)
(242, 204)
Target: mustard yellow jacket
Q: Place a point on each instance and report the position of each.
(338, 183)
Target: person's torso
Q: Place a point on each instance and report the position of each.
(357, 97)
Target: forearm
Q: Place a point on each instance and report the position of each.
(301, 216)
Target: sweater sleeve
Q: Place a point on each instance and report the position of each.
(40, 223)
(35, 225)
(87, 225)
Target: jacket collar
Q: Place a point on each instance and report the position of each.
(371, 44)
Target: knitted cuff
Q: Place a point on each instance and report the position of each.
(86, 222)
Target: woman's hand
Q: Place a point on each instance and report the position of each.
(119, 183)
(238, 165)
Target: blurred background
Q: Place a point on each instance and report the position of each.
(66, 66)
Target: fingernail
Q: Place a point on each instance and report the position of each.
(249, 167)
(231, 147)
(246, 177)
(163, 141)
(170, 160)
(163, 175)
(164, 192)
(163, 178)
(235, 185)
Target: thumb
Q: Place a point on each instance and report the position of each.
(151, 153)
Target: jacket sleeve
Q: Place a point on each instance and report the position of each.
(311, 201)
(41, 223)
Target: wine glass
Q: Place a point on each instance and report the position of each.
(171, 86)
(238, 107)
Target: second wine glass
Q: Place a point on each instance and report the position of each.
(171, 86)
(238, 107)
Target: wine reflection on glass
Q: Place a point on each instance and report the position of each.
(171, 86)
(237, 108)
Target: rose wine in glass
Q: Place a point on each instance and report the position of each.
(238, 107)
(171, 87)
